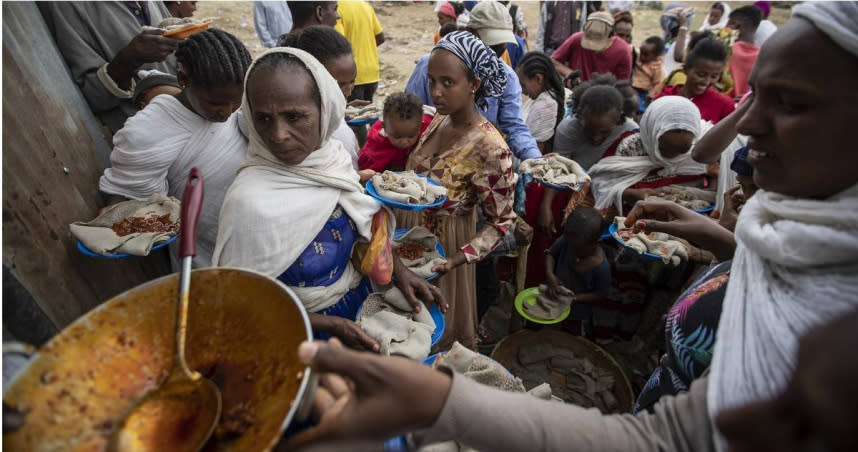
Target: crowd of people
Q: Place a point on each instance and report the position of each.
(735, 107)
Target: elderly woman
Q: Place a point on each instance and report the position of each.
(296, 208)
(794, 271)
(656, 157)
(464, 152)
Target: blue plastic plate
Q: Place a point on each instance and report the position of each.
(560, 187)
(400, 232)
(362, 122)
(437, 316)
(398, 205)
(707, 210)
(83, 249)
(613, 230)
(606, 232)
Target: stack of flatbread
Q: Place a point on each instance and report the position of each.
(670, 249)
(556, 170)
(547, 308)
(574, 379)
(367, 112)
(100, 237)
(688, 197)
(407, 187)
(389, 319)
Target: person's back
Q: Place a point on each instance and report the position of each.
(272, 20)
(359, 24)
(558, 21)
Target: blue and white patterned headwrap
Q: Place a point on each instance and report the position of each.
(481, 60)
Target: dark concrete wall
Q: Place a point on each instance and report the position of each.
(54, 151)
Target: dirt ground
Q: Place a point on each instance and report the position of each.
(409, 27)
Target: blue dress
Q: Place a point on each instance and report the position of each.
(323, 261)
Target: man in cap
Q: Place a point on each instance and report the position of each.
(490, 21)
(595, 50)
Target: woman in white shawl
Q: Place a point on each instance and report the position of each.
(296, 208)
(656, 157)
(717, 17)
(199, 127)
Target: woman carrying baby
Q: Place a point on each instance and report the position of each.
(296, 210)
(466, 154)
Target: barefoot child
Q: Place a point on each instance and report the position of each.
(404, 119)
(577, 262)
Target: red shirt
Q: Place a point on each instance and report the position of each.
(378, 154)
(616, 59)
(713, 105)
(742, 60)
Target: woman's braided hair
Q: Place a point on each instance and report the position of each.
(213, 57)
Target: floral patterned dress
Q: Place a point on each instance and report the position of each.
(476, 170)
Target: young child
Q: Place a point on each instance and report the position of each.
(577, 262)
(404, 119)
(543, 108)
(649, 71)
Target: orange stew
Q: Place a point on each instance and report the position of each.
(152, 223)
(411, 251)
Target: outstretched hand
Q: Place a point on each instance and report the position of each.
(658, 215)
(452, 262)
(732, 200)
(353, 335)
(363, 396)
(413, 286)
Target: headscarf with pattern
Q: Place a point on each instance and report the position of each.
(480, 60)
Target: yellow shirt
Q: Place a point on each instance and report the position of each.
(505, 58)
(359, 25)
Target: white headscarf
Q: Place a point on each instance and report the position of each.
(836, 19)
(796, 267)
(273, 211)
(613, 175)
(721, 23)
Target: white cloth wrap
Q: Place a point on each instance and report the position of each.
(273, 211)
(155, 151)
(345, 135)
(795, 267)
(721, 23)
(837, 20)
(540, 116)
(613, 175)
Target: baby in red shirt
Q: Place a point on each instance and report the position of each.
(404, 119)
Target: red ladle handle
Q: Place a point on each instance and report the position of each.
(192, 203)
